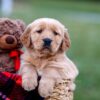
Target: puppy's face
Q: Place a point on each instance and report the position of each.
(45, 36)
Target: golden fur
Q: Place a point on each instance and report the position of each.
(51, 64)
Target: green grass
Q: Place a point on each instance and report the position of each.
(83, 21)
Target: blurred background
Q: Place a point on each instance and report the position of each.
(82, 18)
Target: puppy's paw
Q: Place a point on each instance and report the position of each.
(29, 84)
(45, 88)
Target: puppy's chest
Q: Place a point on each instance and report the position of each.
(40, 65)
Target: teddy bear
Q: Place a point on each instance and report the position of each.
(10, 45)
(10, 31)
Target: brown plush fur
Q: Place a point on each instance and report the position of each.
(10, 32)
(51, 63)
(13, 28)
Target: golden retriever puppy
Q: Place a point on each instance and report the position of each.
(46, 41)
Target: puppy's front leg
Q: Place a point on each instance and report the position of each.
(47, 82)
(29, 76)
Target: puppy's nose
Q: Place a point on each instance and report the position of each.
(47, 41)
(9, 40)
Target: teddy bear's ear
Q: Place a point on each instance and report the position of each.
(25, 37)
(21, 24)
(66, 41)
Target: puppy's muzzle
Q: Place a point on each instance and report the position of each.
(47, 42)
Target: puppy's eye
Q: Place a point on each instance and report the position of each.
(39, 31)
(56, 33)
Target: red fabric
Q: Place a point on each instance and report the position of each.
(16, 56)
(16, 78)
(17, 92)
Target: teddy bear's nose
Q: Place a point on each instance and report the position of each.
(9, 40)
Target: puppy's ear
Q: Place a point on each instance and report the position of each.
(66, 41)
(25, 37)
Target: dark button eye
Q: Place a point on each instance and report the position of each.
(55, 33)
(39, 31)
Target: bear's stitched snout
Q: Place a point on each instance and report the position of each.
(10, 40)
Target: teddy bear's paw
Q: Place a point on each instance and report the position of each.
(29, 84)
(45, 88)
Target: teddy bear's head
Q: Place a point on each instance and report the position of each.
(10, 32)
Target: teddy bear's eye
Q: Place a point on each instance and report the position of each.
(39, 31)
